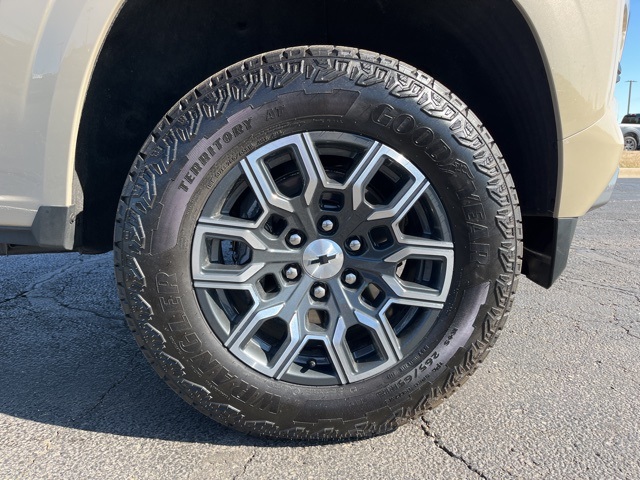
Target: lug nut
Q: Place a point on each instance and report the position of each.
(291, 273)
(295, 239)
(319, 291)
(350, 278)
(327, 225)
(355, 245)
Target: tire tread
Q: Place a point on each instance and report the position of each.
(241, 81)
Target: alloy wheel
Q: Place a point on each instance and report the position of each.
(322, 258)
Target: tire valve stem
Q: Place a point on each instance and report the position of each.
(311, 363)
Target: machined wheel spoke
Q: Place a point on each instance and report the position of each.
(264, 186)
(295, 297)
(370, 160)
(425, 191)
(224, 227)
(357, 316)
(412, 304)
(204, 269)
(406, 197)
(439, 252)
(308, 162)
(218, 274)
(226, 222)
(263, 256)
(372, 266)
(284, 304)
(341, 368)
(390, 350)
(289, 350)
(350, 316)
(436, 250)
(249, 325)
(430, 297)
(352, 370)
(231, 230)
(313, 168)
(342, 351)
(291, 299)
(365, 171)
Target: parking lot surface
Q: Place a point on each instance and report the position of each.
(556, 398)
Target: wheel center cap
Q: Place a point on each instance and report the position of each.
(322, 259)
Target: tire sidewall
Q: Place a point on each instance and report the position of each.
(447, 145)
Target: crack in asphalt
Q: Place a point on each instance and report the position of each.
(619, 323)
(31, 292)
(93, 407)
(593, 255)
(628, 330)
(42, 280)
(246, 465)
(125, 339)
(600, 286)
(47, 447)
(84, 310)
(580, 329)
(426, 428)
(15, 297)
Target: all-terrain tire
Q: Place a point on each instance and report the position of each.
(196, 167)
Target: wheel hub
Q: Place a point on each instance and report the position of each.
(323, 259)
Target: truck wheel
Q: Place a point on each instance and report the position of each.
(318, 242)
(630, 143)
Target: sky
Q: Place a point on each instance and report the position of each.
(630, 65)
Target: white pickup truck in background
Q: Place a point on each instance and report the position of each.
(630, 127)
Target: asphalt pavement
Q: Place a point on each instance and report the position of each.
(558, 397)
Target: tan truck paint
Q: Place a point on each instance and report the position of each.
(581, 43)
(51, 47)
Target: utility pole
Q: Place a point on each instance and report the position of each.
(630, 82)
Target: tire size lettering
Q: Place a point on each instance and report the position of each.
(412, 375)
(450, 336)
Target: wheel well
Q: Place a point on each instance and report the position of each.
(157, 50)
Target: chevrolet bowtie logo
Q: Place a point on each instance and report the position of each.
(323, 259)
